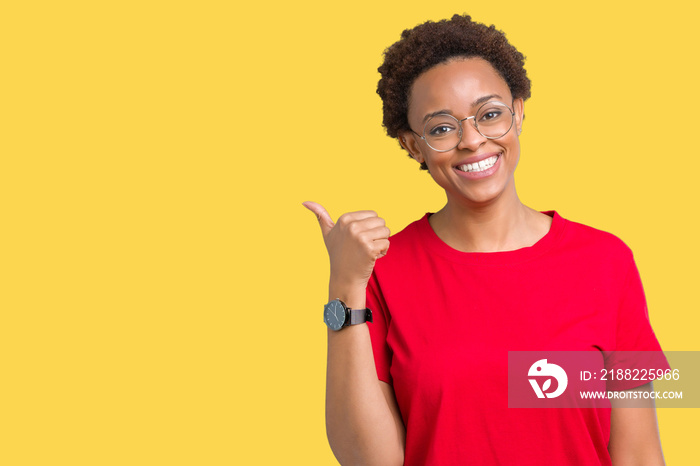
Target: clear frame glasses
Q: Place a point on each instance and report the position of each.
(443, 132)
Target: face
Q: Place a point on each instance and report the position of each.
(459, 87)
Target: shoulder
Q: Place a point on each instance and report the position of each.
(595, 243)
(405, 245)
(410, 233)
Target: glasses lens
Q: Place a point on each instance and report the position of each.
(494, 119)
(442, 132)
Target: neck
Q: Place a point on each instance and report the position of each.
(505, 224)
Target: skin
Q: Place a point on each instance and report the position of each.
(480, 215)
(634, 432)
(486, 215)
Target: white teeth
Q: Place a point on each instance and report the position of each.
(480, 165)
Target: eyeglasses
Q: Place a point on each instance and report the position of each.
(443, 132)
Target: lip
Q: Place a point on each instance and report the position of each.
(478, 158)
(482, 174)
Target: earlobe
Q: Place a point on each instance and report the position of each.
(409, 143)
(519, 114)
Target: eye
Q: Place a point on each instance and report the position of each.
(441, 126)
(490, 115)
(441, 130)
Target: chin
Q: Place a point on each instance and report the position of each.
(483, 195)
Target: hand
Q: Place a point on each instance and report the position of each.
(354, 243)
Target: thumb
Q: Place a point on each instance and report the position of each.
(324, 219)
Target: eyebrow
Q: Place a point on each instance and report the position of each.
(478, 101)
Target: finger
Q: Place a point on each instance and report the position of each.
(324, 218)
(381, 246)
(369, 223)
(360, 228)
(375, 234)
(350, 217)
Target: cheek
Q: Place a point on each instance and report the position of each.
(514, 152)
(517, 153)
(437, 172)
(439, 179)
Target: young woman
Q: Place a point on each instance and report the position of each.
(425, 382)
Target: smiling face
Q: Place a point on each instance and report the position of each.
(459, 88)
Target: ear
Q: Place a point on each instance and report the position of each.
(519, 114)
(409, 141)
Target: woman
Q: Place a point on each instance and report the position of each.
(461, 287)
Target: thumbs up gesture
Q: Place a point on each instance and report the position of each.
(354, 243)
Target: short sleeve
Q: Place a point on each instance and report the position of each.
(378, 330)
(636, 344)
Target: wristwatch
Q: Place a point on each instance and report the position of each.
(337, 315)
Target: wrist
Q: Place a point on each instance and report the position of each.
(353, 296)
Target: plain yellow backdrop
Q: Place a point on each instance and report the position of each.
(162, 285)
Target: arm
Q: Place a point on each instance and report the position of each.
(363, 423)
(634, 432)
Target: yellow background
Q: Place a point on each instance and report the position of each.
(162, 286)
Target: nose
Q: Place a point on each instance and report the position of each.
(471, 138)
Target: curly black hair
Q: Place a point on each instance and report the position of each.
(434, 43)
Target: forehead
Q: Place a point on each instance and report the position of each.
(455, 86)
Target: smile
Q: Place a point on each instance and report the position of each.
(479, 166)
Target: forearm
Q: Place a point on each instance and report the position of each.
(360, 426)
(634, 431)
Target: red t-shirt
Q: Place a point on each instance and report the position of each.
(444, 321)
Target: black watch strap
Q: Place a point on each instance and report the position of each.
(359, 316)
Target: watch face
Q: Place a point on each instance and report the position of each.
(334, 315)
